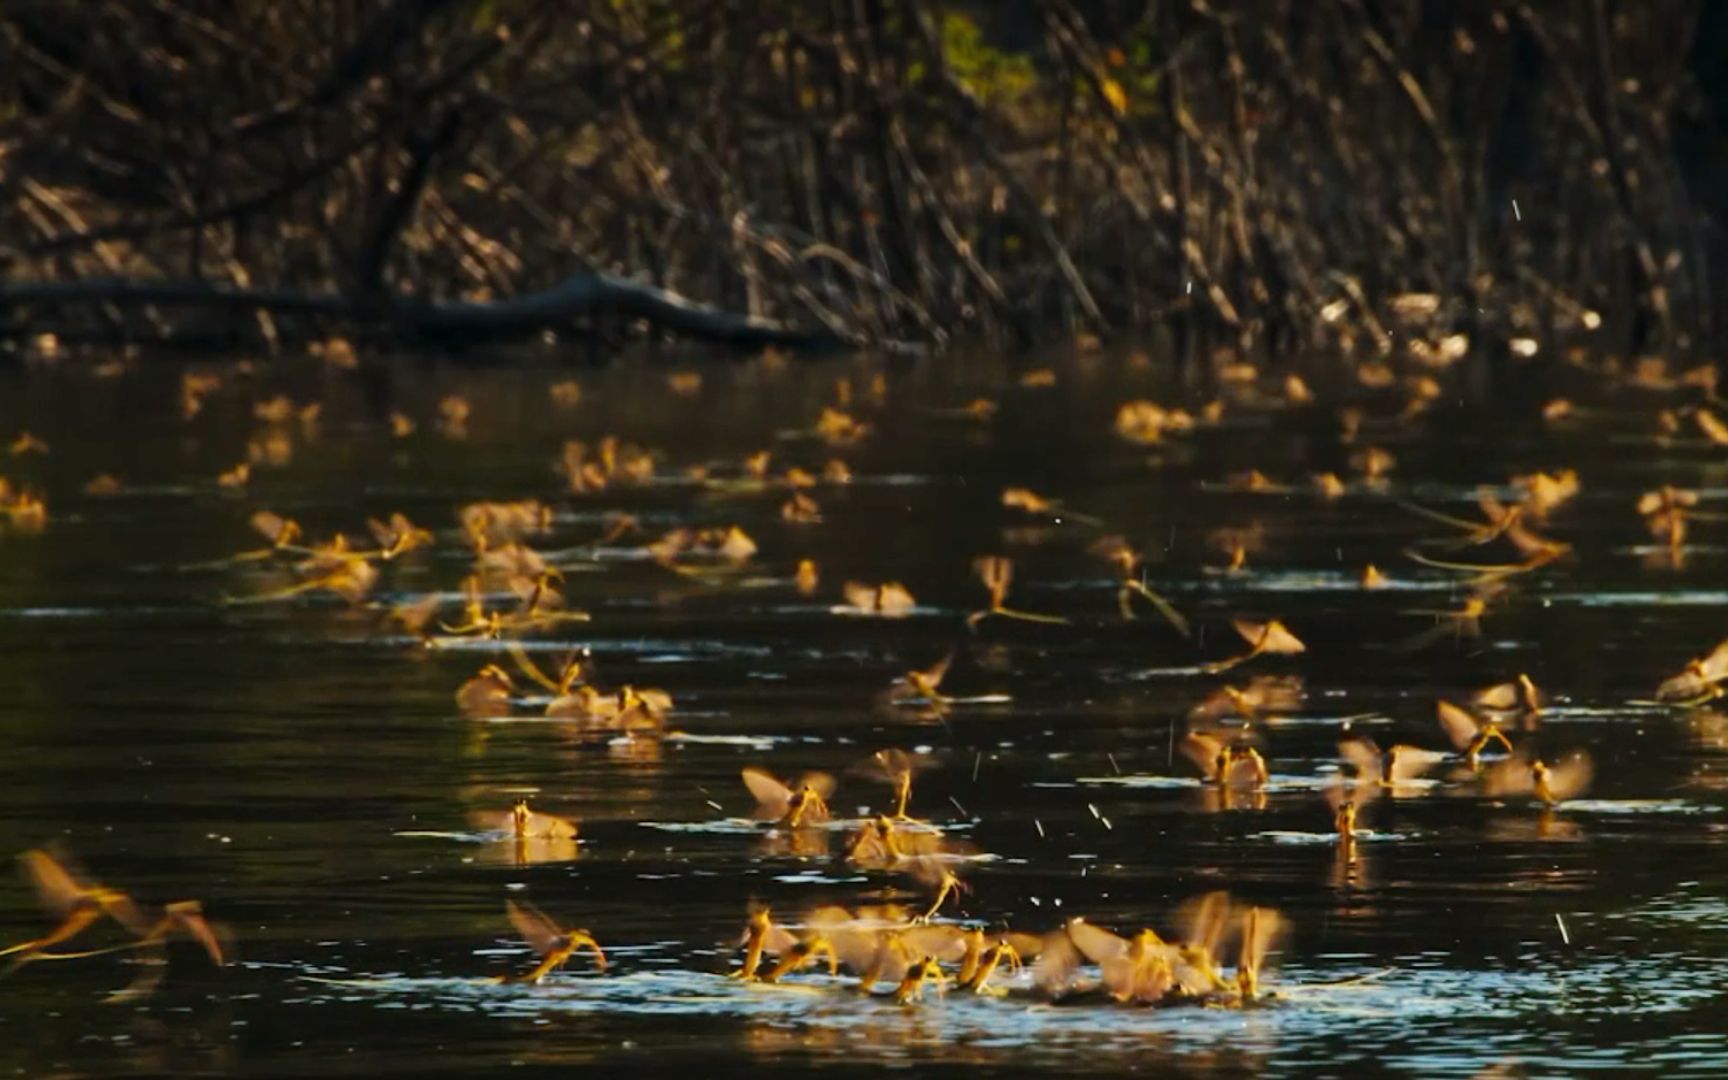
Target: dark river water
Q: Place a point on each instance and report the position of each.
(300, 765)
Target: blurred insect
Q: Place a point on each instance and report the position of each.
(795, 951)
(1519, 695)
(1260, 929)
(1395, 768)
(535, 838)
(75, 902)
(1228, 764)
(836, 427)
(923, 687)
(880, 843)
(526, 824)
(1346, 802)
(806, 578)
(235, 478)
(25, 510)
(351, 580)
(1538, 552)
(1668, 513)
(80, 904)
(1236, 544)
(896, 767)
(571, 670)
(889, 600)
(948, 884)
(1375, 463)
(283, 534)
(415, 616)
(398, 536)
(1543, 493)
(552, 944)
(977, 409)
(1465, 622)
(1699, 681)
(1030, 502)
(1145, 422)
(761, 937)
(1269, 638)
(487, 693)
(1130, 565)
(800, 509)
(1328, 486)
(975, 975)
(1263, 695)
(876, 949)
(787, 806)
(997, 573)
(1255, 482)
(1469, 735)
(565, 394)
(923, 972)
(1549, 785)
(1140, 969)
(1205, 925)
(542, 603)
(810, 947)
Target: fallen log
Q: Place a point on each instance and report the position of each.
(579, 297)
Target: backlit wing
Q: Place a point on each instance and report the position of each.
(1569, 777)
(1363, 755)
(859, 595)
(1095, 943)
(772, 797)
(55, 886)
(1058, 962)
(1410, 762)
(1203, 751)
(1508, 777)
(1261, 930)
(540, 932)
(1714, 667)
(946, 943)
(1460, 727)
(1205, 920)
(189, 915)
(819, 782)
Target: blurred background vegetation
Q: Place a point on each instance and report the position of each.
(1264, 175)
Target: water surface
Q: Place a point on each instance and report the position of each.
(302, 768)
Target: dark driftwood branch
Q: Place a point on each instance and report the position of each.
(398, 209)
(583, 296)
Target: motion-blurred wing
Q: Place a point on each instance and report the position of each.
(540, 932)
(1363, 755)
(1508, 777)
(55, 886)
(1094, 943)
(1569, 777)
(945, 943)
(1203, 751)
(772, 797)
(1410, 762)
(819, 782)
(1460, 727)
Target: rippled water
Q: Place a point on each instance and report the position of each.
(302, 768)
